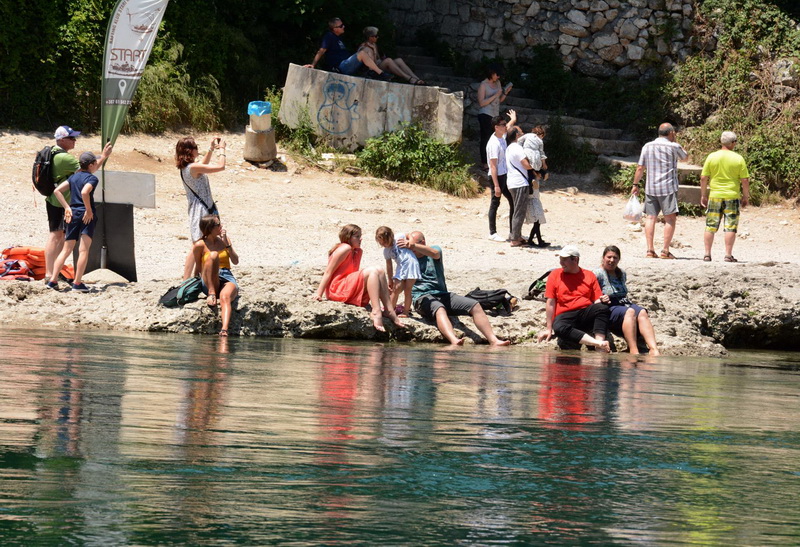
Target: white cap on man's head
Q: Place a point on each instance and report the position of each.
(569, 250)
(65, 131)
(727, 137)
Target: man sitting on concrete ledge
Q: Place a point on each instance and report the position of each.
(574, 305)
(434, 302)
(338, 59)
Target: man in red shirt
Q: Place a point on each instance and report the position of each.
(574, 304)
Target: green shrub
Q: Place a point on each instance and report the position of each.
(617, 178)
(411, 155)
(273, 95)
(731, 88)
(302, 139)
(168, 99)
(565, 154)
(632, 104)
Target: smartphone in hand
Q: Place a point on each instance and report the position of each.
(508, 88)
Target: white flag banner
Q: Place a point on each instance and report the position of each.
(129, 40)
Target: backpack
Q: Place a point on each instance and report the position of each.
(536, 290)
(496, 300)
(42, 174)
(187, 291)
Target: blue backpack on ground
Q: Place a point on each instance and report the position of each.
(188, 291)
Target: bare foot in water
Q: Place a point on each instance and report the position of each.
(458, 342)
(499, 342)
(655, 351)
(604, 346)
(377, 321)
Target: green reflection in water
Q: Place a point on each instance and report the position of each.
(144, 439)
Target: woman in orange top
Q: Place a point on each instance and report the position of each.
(343, 281)
(213, 255)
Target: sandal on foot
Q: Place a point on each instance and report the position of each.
(729, 258)
(707, 258)
(212, 300)
(651, 254)
(667, 255)
(223, 332)
(416, 81)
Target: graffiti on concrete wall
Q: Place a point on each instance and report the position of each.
(339, 108)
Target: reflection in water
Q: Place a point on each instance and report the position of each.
(142, 439)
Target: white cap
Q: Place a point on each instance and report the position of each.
(569, 250)
(65, 131)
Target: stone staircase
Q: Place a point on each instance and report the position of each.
(601, 138)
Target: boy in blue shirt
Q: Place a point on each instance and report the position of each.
(80, 216)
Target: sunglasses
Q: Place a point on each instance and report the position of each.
(339, 26)
(71, 138)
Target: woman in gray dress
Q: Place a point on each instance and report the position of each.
(194, 171)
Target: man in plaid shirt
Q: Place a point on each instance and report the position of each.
(660, 159)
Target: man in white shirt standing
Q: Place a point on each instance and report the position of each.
(496, 155)
(660, 159)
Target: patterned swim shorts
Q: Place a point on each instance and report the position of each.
(719, 207)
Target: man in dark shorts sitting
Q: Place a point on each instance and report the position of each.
(337, 57)
(434, 302)
(574, 307)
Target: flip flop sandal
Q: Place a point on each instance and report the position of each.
(651, 254)
(667, 255)
(223, 332)
(707, 258)
(730, 258)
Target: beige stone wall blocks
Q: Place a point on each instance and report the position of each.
(620, 37)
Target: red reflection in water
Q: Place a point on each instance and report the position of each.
(569, 393)
(337, 393)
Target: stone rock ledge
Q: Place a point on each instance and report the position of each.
(700, 310)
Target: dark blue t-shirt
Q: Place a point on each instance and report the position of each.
(76, 184)
(335, 52)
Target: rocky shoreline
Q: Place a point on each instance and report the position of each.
(695, 312)
(284, 222)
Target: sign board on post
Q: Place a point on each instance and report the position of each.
(129, 40)
(137, 189)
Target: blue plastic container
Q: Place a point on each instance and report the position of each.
(259, 108)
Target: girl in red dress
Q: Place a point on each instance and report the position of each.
(343, 281)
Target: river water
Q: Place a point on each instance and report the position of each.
(135, 439)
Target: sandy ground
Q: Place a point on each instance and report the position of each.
(289, 219)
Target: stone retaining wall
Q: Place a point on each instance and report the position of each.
(596, 37)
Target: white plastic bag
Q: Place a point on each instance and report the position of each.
(633, 210)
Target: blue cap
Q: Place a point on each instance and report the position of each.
(66, 131)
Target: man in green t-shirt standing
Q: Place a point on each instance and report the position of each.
(730, 189)
(64, 166)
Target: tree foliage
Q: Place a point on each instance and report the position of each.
(224, 52)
